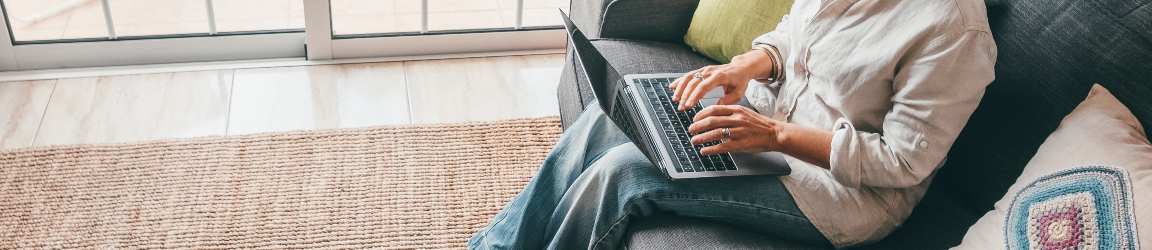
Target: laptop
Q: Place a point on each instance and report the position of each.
(641, 106)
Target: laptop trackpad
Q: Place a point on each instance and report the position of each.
(714, 96)
(762, 163)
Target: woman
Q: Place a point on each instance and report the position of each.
(864, 97)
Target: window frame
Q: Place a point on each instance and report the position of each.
(314, 42)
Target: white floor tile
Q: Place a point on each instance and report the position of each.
(318, 97)
(21, 108)
(136, 108)
(484, 89)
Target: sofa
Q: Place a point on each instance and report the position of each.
(1050, 54)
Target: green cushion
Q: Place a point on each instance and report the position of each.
(722, 29)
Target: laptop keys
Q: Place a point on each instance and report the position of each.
(675, 125)
(728, 163)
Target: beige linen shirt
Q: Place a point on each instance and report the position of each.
(895, 81)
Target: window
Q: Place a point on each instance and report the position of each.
(49, 34)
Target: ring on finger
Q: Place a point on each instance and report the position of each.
(727, 135)
(698, 75)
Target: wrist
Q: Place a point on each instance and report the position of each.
(784, 134)
(753, 65)
(807, 144)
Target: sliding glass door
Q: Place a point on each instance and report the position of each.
(48, 34)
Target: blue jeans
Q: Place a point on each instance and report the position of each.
(595, 180)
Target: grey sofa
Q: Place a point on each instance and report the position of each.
(1050, 54)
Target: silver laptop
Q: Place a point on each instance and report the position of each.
(641, 106)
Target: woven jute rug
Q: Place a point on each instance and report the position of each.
(397, 187)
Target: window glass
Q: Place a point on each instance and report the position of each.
(157, 17)
(387, 16)
(35, 19)
(256, 15)
(366, 16)
(457, 14)
(536, 12)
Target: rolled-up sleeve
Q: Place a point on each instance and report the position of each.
(934, 95)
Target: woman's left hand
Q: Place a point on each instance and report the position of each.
(749, 132)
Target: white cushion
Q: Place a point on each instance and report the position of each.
(1100, 131)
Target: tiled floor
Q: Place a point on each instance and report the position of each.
(244, 101)
(159, 17)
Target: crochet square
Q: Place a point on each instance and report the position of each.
(1084, 208)
(1064, 222)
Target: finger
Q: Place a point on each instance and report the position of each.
(691, 84)
(715, 122)
(720, 148)
(714, 135)
(716, 110)
(729, 99)
(680, 80)
(698, 91)
(733, 93)
(684, 84)
(680, 83)
(686, 89)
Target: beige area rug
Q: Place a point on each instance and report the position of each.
(399, 187)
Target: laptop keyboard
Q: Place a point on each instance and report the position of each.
(675, 125)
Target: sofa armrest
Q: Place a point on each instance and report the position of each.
(654, 20)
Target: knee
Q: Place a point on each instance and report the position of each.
(621, 163)
(622, 174)
(622, 180)
(619, 176)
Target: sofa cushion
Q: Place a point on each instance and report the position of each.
(1100, 131)
(648, 57)
(941, 214)
(634, 19)
(666, 231)
(723, 29)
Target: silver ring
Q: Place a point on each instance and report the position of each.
(727, 134)
(698, 75)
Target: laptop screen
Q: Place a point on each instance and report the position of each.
(607, 85)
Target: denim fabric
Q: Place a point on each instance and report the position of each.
(595, 180)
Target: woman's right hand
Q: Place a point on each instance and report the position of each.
(733, 76)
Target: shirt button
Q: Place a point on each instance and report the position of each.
(923, 144)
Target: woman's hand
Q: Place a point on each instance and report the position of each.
(749, 131)
(733, 76)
